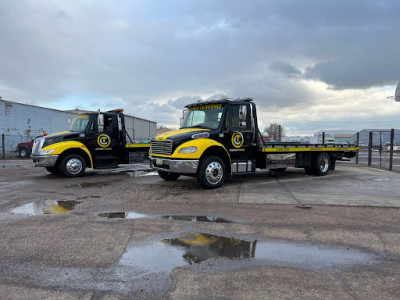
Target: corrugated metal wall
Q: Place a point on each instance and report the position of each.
(140, 129)
(22, 123)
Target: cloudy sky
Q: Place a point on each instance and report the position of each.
(308, 64)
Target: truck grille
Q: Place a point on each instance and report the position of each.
(161, 147)
(37, 145)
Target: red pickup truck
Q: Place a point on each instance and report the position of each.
(25, 149)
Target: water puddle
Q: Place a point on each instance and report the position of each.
(207, 219)
(123, 215)
(142, 173)
(134, 215)
(48, 207)
(195, 248)
(6, 165)
(86, 185)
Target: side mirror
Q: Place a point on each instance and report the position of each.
(183, 116)
(100, 122)
(243, 113)
(243, 116)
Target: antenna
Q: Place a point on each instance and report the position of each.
(396, 96)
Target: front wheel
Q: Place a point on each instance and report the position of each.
(212, 172)
(73, 165)
(24, 152)
(168, 175)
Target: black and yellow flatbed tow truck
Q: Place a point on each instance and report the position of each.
(96, 140)
(221, 138)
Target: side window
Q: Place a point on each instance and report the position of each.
(108, 124)
(93, 127)
(233, 121)
(232, 118)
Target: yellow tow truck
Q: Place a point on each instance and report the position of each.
(220, 138)
(95, 140)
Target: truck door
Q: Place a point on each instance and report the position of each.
(106, 145)
(237, 131)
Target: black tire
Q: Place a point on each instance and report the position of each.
(53, 170)
(212, 172)
(322, 164)
(332, 165)
(309, 171)
(24, 152)
(73, 165)
(168, 176)
(279, 170)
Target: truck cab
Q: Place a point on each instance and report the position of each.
(220, 138)
(215, 138)
(94, 140)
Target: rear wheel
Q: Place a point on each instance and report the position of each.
(168, 175)
(212, 172)
(73, 165)
(322, 164)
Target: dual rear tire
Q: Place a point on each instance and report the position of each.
(320, 165)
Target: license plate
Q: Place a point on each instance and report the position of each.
(159, 162)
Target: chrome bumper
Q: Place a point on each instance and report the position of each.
(174, 166)
(44, 160)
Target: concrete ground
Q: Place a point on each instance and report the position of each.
(117, 234)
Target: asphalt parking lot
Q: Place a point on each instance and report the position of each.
(127, 234)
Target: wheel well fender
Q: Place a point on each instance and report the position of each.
(220, 152)
(79, 151)
(23, 147)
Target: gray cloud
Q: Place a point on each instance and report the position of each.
(158, 54)
(285, 68)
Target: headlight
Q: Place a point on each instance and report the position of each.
(46, 152)
(191, 149)
(201, 135)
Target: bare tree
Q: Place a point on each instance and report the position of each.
(273, 131)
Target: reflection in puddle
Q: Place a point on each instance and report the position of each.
(52, 207)
(123, 215)
(134, 215)
(195, 248)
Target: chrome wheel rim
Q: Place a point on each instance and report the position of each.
(214, 173)
(324, 164)
(74, 166)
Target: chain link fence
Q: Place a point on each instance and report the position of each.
(378, 149)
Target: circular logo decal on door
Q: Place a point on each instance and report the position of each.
(237, 139)
(104, 140)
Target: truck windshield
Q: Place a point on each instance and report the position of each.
(203, 116)
(79, 123)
